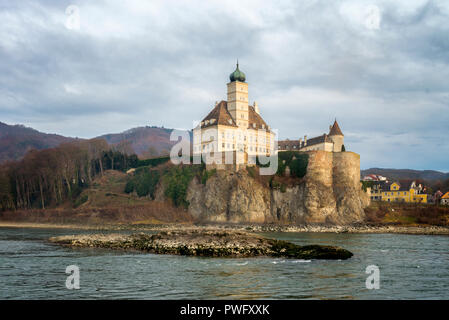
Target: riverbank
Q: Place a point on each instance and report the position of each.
(423, 230)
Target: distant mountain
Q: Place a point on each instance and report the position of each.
(144, 141)
(17, 140)
(407, 174)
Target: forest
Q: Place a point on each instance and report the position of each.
(53, 176)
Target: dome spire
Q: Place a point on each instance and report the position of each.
(237, 75)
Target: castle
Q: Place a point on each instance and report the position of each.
(332, 142)
(234, 127)
(234, 132)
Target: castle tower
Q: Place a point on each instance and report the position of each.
(238, 98)
(336, 137)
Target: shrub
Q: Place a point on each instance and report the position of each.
(177, 181)
(144, 182)
(129, 186)
(366, 185)
(298, 167)
(81, 200)
(152, 162)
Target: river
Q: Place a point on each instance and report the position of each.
(410, 267)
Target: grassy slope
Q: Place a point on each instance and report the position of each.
(108, 191)
(407, 214)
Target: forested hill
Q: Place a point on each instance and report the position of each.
(401, 174)
(144, 141)
(17, 140)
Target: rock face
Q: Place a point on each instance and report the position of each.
(229, 197)
(210, 243)
(330, 193)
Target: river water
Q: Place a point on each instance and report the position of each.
(411, 267)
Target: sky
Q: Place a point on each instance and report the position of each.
(381, 68)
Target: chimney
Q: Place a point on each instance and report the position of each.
(256, 107)
(305, 140)
(330, 128)
(300, 142)
(216, 102)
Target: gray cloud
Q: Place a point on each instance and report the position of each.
(140, 63)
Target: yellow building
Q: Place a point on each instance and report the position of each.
(394, 192)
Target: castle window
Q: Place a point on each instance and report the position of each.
(223, 145)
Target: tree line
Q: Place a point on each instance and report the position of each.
(50, 177)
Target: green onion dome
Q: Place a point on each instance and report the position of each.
(237, 75)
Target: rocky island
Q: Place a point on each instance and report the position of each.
(206, 243)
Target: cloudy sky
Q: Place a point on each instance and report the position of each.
(85, 68)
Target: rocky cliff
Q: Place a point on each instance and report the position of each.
(329, 193)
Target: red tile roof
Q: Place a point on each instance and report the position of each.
(335, 130)
(219, 115)
(254, 117)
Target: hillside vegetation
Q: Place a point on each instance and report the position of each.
(407, 214)
(144, 141)
(407, 174)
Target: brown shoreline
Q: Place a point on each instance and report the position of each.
(419, 230)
